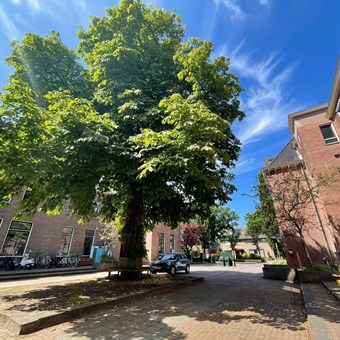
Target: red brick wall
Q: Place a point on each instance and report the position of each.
(311, 232)
(320, 158)
(152, 240)
(46, 231)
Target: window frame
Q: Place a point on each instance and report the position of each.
(172, 242)
(94, 234)
(60, 249)
(9, 229)
(26, 194)
(335, 136)
(159, 243)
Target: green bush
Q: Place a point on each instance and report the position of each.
(278, 262)
(321, 267)
(107, 259)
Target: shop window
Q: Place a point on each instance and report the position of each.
(172, 242)
(161, 243)
(88, 242)
(17, 237)
(65, 241)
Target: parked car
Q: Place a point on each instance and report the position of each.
(171, 263)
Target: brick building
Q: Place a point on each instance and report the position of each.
(41, 233)
(314, 150)
(64, 235)
(246, 245)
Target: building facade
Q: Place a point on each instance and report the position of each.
(64, 235)
(246, 246)
(312, 155)
(42, 233)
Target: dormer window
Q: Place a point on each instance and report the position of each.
(329, 134)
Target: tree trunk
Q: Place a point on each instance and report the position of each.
(306, 250)
(132, 235)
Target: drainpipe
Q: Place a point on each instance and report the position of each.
(317, 215)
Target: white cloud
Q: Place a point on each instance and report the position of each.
(245, 165)
(233, 7)
(35, 6)
(81, 4)
(265, 100)
(8, 26)
(264, 2)
(16, 2)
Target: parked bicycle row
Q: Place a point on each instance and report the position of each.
(40, 261)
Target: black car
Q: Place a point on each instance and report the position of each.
(171, 263)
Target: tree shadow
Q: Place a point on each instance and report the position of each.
(229, 298)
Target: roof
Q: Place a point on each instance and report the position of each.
(288, 155)
(333, 100)
(307, 112)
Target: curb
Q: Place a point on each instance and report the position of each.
(20, 327)
(31, 274)
(333, 289)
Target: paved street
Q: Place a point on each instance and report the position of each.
(232, 303)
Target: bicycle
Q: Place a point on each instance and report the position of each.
(42, 260)
(8, 262)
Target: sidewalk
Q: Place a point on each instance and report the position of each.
(232, 303)
(323, 309)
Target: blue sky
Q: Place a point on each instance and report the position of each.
(284, 51)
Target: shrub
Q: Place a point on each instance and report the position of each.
(317, 267)
(279, 262)
(107, 259)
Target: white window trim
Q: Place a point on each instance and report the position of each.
(335, 134)
(7, 201)
(173, 249)
(69, 248)
(94, 235)
(28, 238)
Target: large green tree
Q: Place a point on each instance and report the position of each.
(217, 226)
(255, 228)
(144, 129)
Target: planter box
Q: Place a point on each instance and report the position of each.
(307, 276)
(106, 266)
(277, 272)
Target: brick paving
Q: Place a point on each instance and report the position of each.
(232, 303)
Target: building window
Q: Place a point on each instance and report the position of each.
(88, 242)
(329, 134)
(27, 193)
(161, 243)
(65, 241)
(17, 238)
(172, 242)
(6, 200)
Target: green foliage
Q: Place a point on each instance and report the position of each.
(263, 220)
(107, 259)
(144, 131)
(218, 225)
(233, 238)
(317, 267)
(279, 262)
(254, 227)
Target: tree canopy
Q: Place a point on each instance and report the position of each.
(143, 129)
